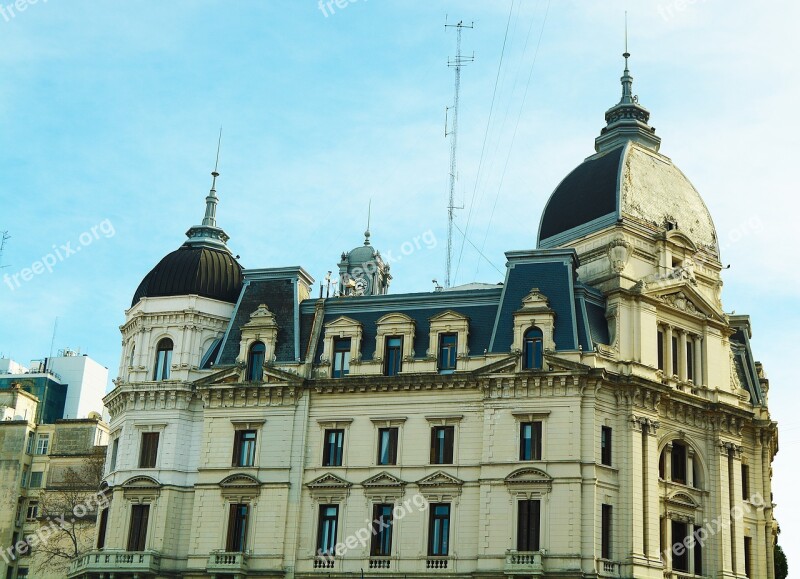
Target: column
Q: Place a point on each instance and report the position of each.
(651, 490)
(667, 542)
(682, 373)
(690, 466)
(636, 481)
(698, 361)
(668, 351)
(737, 522)
(668, 461)
(722, 507)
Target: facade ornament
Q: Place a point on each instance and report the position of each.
(619, 252)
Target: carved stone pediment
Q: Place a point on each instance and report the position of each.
(329, 481)
(383, 480)
(529, 476)
(239, 481)
(680, 499)
(448, 316)
(439, 479)
(535, 300)
(141, 482)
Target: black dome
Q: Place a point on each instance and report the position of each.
(204, 271)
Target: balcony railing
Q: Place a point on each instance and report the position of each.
(607, 568)
(324, 562)
(227, 562)
(437, 563)
(141, 562)
(377, 563)
(524, 562)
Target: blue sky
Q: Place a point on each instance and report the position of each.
(109, 114)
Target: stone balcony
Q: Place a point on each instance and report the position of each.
(140, 563)
(606, 568)
(524, 563)
(233, 563)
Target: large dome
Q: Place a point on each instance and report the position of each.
(192, 270)
(630, 183)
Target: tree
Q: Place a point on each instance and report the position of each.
(68, 509)
(781, 564)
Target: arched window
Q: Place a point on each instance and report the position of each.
(163, 360)
(532, 349)
(679, 463)
(255, 362)
(132, 356)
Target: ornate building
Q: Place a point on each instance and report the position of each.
(595, 415)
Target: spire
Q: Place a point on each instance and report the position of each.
(208, 233)
(369, 215)
(627, 120)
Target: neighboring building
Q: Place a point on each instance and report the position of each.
(40, 466)
(69, 385)
(576, 420)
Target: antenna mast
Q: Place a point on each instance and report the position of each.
(4, 236)
(456, 64)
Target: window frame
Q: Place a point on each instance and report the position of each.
(31, 510)
(382, 536)
(327, 549)
(533, 359)
(606, 446)
(393, 445)
(435, 522)
(31, 479)
(447, 451)
(393, 355)
(449, 365)
(529, 535)
(239, 446)
(255, 361)
(162, 367)
(42, 444)
(337, 458)
(237, 521)
(606, 531)
(152, 448)
(140, 539)
(536, 440)
(341, 355)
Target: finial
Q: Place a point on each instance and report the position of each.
(208, 233)
(211, 201)
(369, 215)
(627, 79)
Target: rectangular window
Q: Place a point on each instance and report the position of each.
(690, 359)
(394, 356)
(244, 448)
(33, 511)
(678, 463)
(103, 526)
(442, 438)
(237, 528)
(530, 440)
(605, 536)
(341, 357)
(36, 479)
(748, 544)
(448, 350)
(22, 572)
(675, 355)
(745, 482)
(382, 522)
(679, 562)
(660, 347)
(387, 446)
(114, 452)
(698, 553)
(29, 446)
(605, 445)
(326, 531)
(42, 444)
(528, 525)
(333, 451)
(25, 476)
(439, 530)
(137, 536)
(149, 450)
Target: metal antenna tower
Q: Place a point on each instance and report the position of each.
(4, 236)
(456, 64)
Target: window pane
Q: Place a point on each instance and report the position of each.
(678, 463)
(606, 532)
(605, 445)
(255, 362)
(387, 446)
(528, 525)
(149, 450)
(448, 350)
(381, 530)
(394, 356)
(439, 530)
(341, 357)
(237, 528)
(137, 537)
(326, 532)
(333, 450)
(442, 438)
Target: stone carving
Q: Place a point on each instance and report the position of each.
(619, 251)
(681, 302)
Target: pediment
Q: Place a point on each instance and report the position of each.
(507, 364)
(682, 500)
(141, 482)
(342, 322)
(677, 236)
(529, 476)
(239, 481)
(448, 316)
(440, 479)
(395, 318)
(329, 481)
(234, 375)
(535, 300)
(687, 300)
(383, 480)
(262, 317)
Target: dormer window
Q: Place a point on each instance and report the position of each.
(163, 360)
(255, 362)
(394, 356)
(533, 349)
(448, 351)
(341, 357)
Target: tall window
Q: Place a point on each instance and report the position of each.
(745, 482)
(674, 355)
(341, 357)
(394, 356)
(133, 354)
(244, 448)
(605, 445)
(660, 347)
(326, 531)
(333, 450)
(29, 447)
(533, 349)
(528, 525)
(114, 453)
(24, 476)
(442, 444)
(103, 526)
(137, 535)
(680, 557)
(448, 350)
(678, 463)
(748, 545)
(163, 360)
(382, 522)
(439, 530)
(387, 446)
(42, 444)
(237, 528)
(33, 511)
(605, 535)
(255, 362)
(690, 359)
(698, 553)
(530, 440)
(36, 479)
(149, 450)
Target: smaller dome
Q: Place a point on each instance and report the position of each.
(194, 270)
